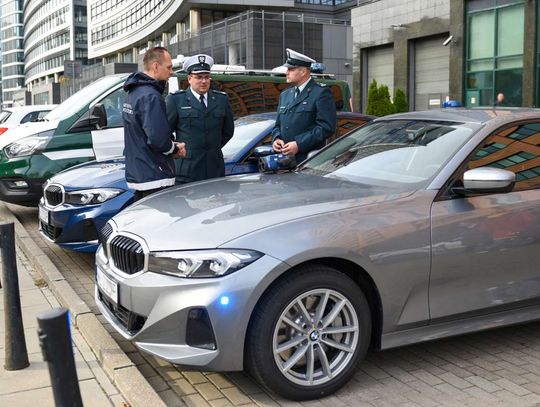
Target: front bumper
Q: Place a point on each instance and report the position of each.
(76, 227)
(21, 191)
(158, 309)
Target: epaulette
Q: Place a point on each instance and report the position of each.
(179, 91)
(322, 84)
(218, 91)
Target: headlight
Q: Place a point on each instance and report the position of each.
(92, 196)
(204, 263)
(28, 145)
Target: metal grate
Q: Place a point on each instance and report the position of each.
(54, 195)
(131, 321)
(51, 231)
(127, 254)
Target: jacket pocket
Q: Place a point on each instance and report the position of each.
(188, 113)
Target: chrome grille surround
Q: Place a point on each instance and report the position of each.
(127, 254)
(53, 195)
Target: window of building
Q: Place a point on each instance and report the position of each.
(514, 149)
(494, 54)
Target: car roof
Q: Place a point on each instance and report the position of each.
(478, 116)
(29, 108)
(346, 115)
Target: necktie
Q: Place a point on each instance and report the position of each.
(296, 92)
(201, 99)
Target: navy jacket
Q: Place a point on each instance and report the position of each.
(204, 130)
(147, 135)
(308, 119)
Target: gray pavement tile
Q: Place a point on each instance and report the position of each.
(42, 396)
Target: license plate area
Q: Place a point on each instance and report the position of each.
(43, 215)
(107, 286)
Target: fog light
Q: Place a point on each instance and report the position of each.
(19, 184)
(199, 332)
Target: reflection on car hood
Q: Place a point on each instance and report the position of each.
(94, 174)
(210, 213)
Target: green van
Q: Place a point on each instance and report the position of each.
(88, 126)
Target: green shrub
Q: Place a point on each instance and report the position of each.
(372, 97)
(379, 103)
(400, 101)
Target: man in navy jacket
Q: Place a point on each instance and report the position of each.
(306, 114)
(149, 145)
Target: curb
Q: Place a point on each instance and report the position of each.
(120, 369)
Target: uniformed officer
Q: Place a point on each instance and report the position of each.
(202, 119)
(306, 114)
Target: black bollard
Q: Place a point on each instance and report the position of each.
(16, 355)
(55, 340)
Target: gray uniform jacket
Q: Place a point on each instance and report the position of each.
(309, 119)
(204, 130)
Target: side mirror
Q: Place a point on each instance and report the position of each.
(94, 119)
(263, 151)
(98, 116)
(485, 180)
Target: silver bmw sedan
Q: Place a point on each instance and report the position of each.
(415, 227)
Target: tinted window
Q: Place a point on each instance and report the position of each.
(113, 106)
(30, 117)
(514, 149)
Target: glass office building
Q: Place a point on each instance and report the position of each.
(55, 31)
(11, 29)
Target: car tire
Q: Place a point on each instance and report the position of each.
(302, 354)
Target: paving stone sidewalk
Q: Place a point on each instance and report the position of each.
(495, 368)
(32, 386)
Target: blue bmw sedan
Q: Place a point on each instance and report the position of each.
(78, 202)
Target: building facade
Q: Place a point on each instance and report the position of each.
(463, 50)
(237, 32)
(12, 50)
(55, 31)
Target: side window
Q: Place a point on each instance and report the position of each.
(515, 149)
(30, 117)
(113, 106)
(42, 114)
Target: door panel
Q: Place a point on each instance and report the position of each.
(486, 252)
(486, 249)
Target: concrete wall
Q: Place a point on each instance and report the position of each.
(394, 22)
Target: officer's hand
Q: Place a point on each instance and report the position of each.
(181, 153)
(278, 145)
(291, 148)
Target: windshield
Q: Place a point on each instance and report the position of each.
(82, 98)
(4, 116)
(245, 130)
(392, 153)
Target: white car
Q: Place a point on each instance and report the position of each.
(14, 116)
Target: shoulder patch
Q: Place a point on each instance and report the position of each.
(218, 91)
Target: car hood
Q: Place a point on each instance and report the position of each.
(94, 174)
(211, 213)
(24, 130)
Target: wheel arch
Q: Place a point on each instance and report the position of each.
(358, 274)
